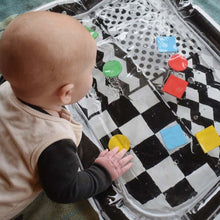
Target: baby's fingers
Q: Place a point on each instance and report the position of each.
(113, 152)
(120, 154)
(125, 160)
(125, 168)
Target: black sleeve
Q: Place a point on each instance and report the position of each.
(58, 168)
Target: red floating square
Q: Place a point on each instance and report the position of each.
(175, 86)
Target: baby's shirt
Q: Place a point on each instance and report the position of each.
(67, 185)
(25, 135)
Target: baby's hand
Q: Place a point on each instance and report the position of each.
(114, 162)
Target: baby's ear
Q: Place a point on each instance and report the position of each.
(65, 93)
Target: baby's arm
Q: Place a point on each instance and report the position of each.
(115, 162)
(63, 182)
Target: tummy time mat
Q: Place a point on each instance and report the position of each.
(160, 106)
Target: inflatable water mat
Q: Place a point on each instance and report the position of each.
(156, 82)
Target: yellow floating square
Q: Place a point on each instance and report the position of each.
(208, 139)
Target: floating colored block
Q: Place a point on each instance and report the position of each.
(120, 141)
(208, 138)
(112, 68)
(178, 62)
(166, 44)
(175, 86)
(173, 137)
(92, 32)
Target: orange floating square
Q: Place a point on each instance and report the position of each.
(208, 138)
(175, 86)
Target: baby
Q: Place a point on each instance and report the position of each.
(47, 59)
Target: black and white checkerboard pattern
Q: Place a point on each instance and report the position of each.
(134, 26)
(160, 180)
(200, 105)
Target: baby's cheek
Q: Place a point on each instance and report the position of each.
(86, 87)
(89, 83)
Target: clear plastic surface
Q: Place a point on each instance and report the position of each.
(162, 183)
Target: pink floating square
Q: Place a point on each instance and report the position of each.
(175, 86)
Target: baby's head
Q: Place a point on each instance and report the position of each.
(48, 58)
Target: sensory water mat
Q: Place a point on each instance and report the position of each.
(130, 97)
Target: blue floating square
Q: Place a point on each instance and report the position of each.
(166, 44)
(173, 137)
